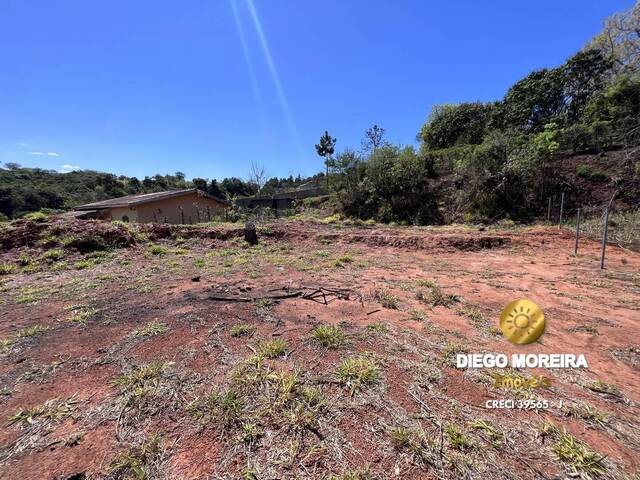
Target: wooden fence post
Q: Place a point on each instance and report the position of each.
(549, 211)
(575, 251)
(561, 210)
(605, 233)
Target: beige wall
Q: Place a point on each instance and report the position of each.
(187, 209)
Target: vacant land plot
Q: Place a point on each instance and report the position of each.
(161, 352)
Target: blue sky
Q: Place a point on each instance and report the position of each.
(144, 87)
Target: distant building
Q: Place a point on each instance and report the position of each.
(173, 206)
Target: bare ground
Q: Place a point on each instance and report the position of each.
(119, 364)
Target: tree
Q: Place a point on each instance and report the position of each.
(200, 184)
(534, 101)
(373, 138)
(325, 149)
(585, 75)
(619, 40)
(214, 189)
(450, 125)
(257, 175)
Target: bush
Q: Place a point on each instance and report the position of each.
(37, 217)
(587, 171)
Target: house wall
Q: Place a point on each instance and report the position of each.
(119, 213)
(187, 209)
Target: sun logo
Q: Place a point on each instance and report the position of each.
(522, 322)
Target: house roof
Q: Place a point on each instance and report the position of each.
(132, 200)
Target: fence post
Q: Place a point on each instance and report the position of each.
(561, 210)
(575, 251)
(604, 237)
(549, 211)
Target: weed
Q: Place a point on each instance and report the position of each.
(577, 454)
(474, 315)
(251, 432)
(589, 413)
(81, 314)
(31, 331)
(226, 407)
(83, 264)
(494, 435)
(414, 441)
(418, 315)
(359, 372)
(342, 261)
(240, 330)
(273, 348)
(6, 269)
(139, 379)
(602, 387)
(151, 329)
(378, 327)
(6, 344)
(53, 410)
(139, 462)
(53, 255)
(158, 250)
(451, 350)
(457, 439)
(436, 297)
(426, 283)
(38, 217)
(328, 336)
(387, 299)
(200, 262)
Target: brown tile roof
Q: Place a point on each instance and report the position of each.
(131, 200)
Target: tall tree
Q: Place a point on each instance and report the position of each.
(619, 40)
(325, 149)
(373, 138)
(257, 175)
(200, 184)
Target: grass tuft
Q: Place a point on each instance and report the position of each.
(151, 329)
(328, 336)
(241, 330)
(387, 299)
(272, 348)
(359, 372)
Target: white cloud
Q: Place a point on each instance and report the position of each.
(53, 154)
(66, 168)
(22, 144)
(36, 153)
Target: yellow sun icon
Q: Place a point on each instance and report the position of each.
(522, 322)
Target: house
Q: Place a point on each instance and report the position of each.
(173, 206)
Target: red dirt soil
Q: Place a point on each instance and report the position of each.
(129, 288)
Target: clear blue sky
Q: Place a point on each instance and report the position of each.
(143, 87)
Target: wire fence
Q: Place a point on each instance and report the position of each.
(607, 224)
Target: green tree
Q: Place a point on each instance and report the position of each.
(325, 149)
(450, 125)
(373, 138)
(534, 101)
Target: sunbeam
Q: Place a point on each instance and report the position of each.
(275, 77)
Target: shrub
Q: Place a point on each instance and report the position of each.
(38, 217)
(587, 171)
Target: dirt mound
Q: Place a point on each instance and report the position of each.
(82, 235)
(424, 242)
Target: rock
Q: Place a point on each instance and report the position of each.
(250, 235)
